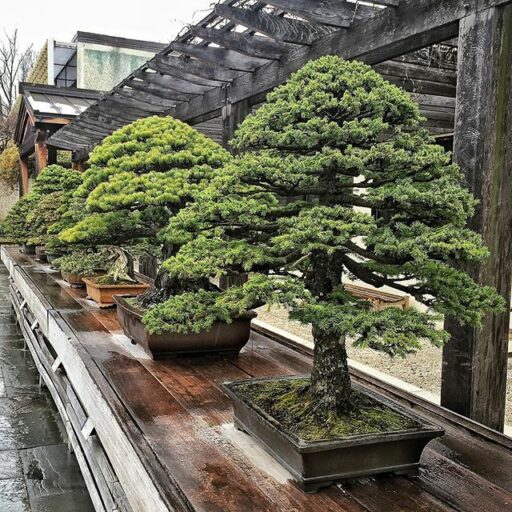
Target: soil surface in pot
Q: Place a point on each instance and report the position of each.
(287, 401)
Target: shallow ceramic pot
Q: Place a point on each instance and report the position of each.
(41, 254)
(221, 338)
(316, 464)
(103, 294)
(28, 249)
(74, 280)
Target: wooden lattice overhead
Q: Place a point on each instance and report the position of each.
(244, 48)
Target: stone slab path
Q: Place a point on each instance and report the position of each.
(37, 473)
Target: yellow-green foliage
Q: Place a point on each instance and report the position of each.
(141, 175)
(9, 165)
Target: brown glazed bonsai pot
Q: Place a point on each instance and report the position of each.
(41, 254)
(223, 338)
(103, 294)
(316, 464)
(28, 249)
(74, 280)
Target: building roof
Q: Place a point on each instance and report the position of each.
(45, 100)
(120, 42)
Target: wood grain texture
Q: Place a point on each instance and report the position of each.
(475, 360)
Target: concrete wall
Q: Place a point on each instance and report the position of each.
(102, 67)
(8, 196)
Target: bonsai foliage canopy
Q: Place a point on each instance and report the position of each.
(140, 176)
(335, 179)
(32, 217)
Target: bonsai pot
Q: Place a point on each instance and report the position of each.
(74, 280)
(316, 464)
(28, 249)
(41, 254)
(221, 338)
(103, 294)
(52, 256)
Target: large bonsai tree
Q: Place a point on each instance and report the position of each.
(139, 177)
(335, 179)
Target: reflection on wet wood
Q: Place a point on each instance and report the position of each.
(173, 424)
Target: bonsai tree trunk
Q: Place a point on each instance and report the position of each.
(330, 380)
(330, 389)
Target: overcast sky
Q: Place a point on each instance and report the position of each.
(154, 20)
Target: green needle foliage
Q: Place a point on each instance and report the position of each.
(139, 177)
(330, 148)
(32, 217)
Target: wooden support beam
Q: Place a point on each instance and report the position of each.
(177, 65)
(145, 97)
(279, 28)
(474, 375)
(220, 56)
(246, 43)
(233, 115)
(41, 150)
(168, 82)
(161, 92)
(145, 109)
(390, 33)
(337, 13)
(24, 177)
(177, 83)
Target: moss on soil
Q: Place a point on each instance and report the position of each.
(107, 280)
(287, 401)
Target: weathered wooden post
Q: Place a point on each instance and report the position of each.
(475, 360)
(24, 176)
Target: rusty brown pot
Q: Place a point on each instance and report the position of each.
(224, 338)
(41, 254)
(103, 294)
(74, 280)
(316, 464)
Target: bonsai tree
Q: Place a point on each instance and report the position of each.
(16, 225)
(139, 177)
(334, 146)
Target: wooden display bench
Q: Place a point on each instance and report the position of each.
(158, 436)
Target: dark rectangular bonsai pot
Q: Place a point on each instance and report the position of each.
(223, 338)
(28, 249)
(316, 464)
(41, 254)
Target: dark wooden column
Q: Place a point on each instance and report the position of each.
(475, 360)
(24, 176)
(41, 150)
(233, 115)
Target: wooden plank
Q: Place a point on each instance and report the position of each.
(474, 378)
(329, 12)
(145, 98)
(145, 108)
(196, 68)
(157, 90)
(246, 43)
(279, 28)
(179, 84)
(220, 56)
(168, 82)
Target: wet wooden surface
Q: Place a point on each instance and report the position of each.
(183, 423)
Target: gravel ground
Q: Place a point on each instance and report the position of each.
(422, 369)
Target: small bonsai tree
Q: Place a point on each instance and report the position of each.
(330, 148)
(139, 177)
(31, 218)
(16, 225)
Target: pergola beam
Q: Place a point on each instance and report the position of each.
(412, 25)
(251, 45)
(221, 57)
(277, 27)
(168, 82)
(158, 91)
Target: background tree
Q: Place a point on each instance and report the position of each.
(139, 177)
(15, 65)
(9, 165)
(330, 146)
